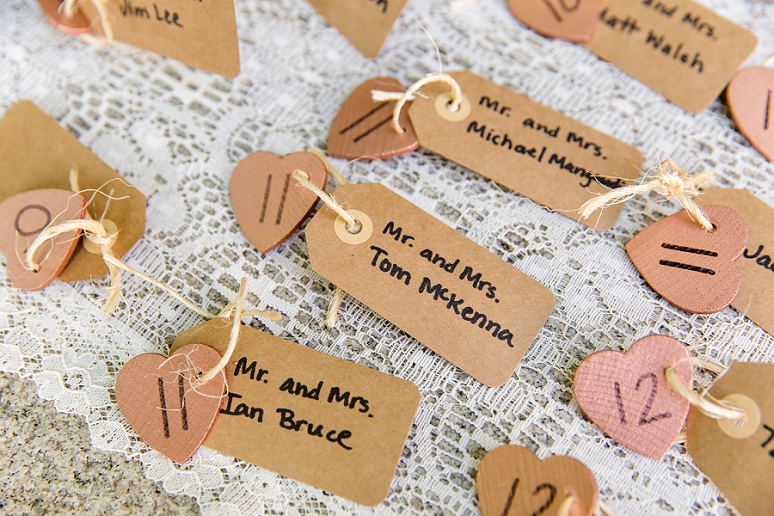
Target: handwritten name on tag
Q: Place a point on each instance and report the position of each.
(756, 265)
(525, 146)
(679, 48)
(36, 152)
(199, 33)
(365, 23)
(446, 291)
(739, 460)
(324, 421)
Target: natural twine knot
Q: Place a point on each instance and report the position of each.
(97, 233)
(70, 6)
(669, 180)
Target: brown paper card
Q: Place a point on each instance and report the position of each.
(352, 422)
(756, 265)
(443, 289)
(365, 23)
(679, 48)
(199, 33)
(35, 152)
(525, 146)
(743, 469)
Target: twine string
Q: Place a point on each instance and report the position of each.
(338, 294)
(69, 7)
(411, 92)
(566, 507)
(669, 180)
(352, 224)
(224, 360)
(707, 404)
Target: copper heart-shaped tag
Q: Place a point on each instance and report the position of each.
(52, 10)
(513, 481)
(22, 218)
(267, 203)
(570, 20)
(751, 100)
(362, 129)
(165, 404)
(688, 266)
(628, 397)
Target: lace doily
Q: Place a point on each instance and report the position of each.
(177, 133)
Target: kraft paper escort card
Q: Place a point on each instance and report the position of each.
(324, 421)
(739, 459)
(446, 291)
(199, 33)
(525, 146)
(679, 48)
(36, 153)
(756, 265)
(365, 23)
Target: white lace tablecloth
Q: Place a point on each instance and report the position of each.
(177, 133)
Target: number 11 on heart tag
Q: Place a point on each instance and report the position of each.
(689, 257)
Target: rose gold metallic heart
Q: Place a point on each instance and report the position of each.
(513, 481)
(165, 404)
(78, 24)
(267, 201)
(22, 218)
(692, 268)
(628, 397)
(570, 20)
(362, 129)
(751, 100)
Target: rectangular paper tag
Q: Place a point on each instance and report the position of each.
(443, 289)
(756, 265)
(740, 465)
(36, 152)
(199, 33)
(679, 48)
(365, 23)
(525, 146)
(329, 423)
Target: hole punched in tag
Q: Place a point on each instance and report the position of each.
(351, 226)
(738, 415)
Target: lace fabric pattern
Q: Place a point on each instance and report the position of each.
(177, 133)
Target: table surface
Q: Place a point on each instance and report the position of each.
(177, 133)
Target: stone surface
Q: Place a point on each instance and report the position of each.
(47, 464)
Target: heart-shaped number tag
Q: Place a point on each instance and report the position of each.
(163, 402)
(362, 129)
(628, 397)
(571, 20)
(22, 218)
(692, 268)
(267, 203)
(513, 481)
(751, 100)
(78, 24)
